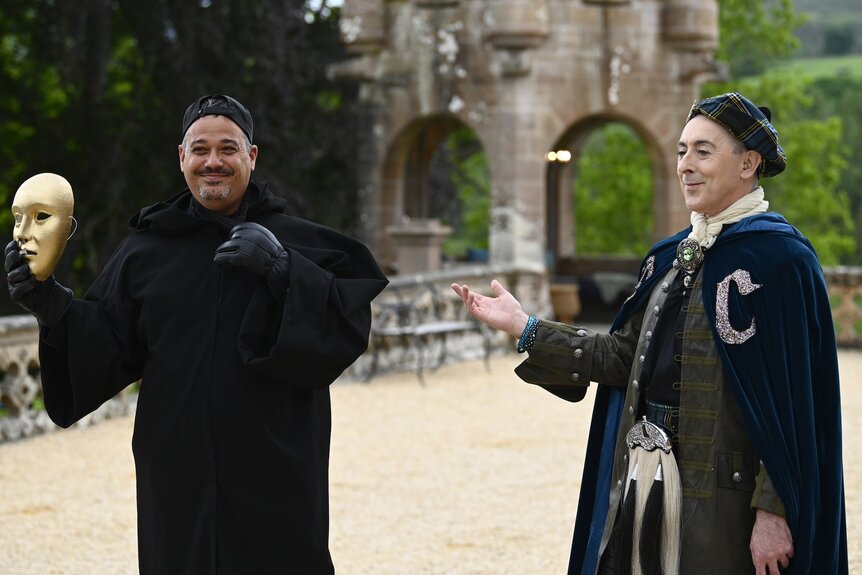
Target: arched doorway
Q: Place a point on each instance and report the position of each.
(436, 195)
(603, 175)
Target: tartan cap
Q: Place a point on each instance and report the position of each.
(747, 123)
(219, 105)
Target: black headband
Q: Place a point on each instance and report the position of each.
(219, 105)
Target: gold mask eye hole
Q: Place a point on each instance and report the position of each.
(42, 216)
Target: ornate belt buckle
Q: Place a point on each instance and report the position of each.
(648, 436)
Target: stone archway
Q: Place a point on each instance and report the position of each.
(520, 73)
(562, 175)
(405, 193)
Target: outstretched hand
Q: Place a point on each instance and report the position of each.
(501, 311)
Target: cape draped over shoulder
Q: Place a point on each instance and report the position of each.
(785, 379)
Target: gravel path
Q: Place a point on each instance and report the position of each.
(476, 473)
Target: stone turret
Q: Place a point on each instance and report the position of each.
(690, 25)
(527, 76)
(363, 26)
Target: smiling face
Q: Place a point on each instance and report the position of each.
(217, 161)
(714, 168)
(42, 208)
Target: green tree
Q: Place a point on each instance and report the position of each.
(838, 39)
(472, 180)
(808, 193)
(613, 194)
(838, 97)
(754, 35)
(95, 91)
(460, 191)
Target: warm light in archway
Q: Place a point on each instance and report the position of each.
(562, 156)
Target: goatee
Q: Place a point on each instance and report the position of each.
(210, 193)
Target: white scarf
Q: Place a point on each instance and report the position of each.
(705, 230)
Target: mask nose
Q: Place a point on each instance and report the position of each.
(23, 228)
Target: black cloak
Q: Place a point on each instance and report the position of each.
(231, 437)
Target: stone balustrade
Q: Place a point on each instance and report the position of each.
(431, 299)
(845, 296)
(21, 413)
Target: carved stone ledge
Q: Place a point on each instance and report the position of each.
(437, 3)
(514, 63)
(515, 24)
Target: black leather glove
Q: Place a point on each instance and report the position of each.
(47, 300)
(253, 247)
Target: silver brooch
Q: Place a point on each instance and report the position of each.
(648, 269)
(689, 255)
(722, 313)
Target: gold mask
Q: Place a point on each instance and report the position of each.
(43, 221)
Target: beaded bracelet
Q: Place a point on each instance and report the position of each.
(528, 336)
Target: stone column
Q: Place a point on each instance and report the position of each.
(418, 244)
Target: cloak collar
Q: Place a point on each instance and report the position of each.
(181, 214)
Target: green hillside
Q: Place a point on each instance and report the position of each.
(815, 6)
(842, 66)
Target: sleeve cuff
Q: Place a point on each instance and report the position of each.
(765, 496)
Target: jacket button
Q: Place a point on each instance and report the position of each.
(579, 353)
(665, 287)
(648, 335)
(576, 376)
(635, 384)
(582, 333)
(737, 477)
(656, 310)
(641, 359)
(631, 410)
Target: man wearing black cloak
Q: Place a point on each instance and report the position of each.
(715, 443)
(235, 317)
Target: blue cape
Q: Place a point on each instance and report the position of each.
(785, 380)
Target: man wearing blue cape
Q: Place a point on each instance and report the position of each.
(715, 443)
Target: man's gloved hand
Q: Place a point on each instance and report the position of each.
(46, 300)
(253, 247)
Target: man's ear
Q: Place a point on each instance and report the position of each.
(750, 163)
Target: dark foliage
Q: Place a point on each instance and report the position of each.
(838, 40)
(94, 90)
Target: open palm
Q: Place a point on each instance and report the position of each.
(501, 311)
